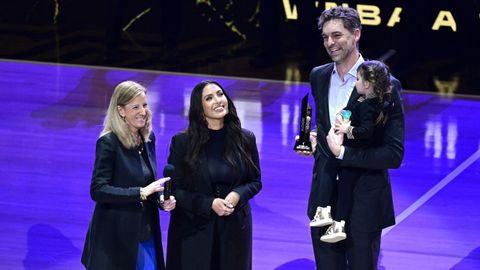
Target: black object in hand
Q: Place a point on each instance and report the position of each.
(303, 143)
(168, 171)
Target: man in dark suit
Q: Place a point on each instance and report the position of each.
(333, 88)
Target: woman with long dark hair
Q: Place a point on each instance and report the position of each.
(217, 173)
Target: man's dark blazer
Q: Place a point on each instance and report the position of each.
(372, 203)
(114, 231)
(193, 222)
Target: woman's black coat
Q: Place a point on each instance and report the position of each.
(193, 223)
(114, 231)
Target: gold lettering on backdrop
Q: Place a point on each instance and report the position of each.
(445, 18)
(447, 87)
(369, 14)
(290, 11)
(395, 18)
(292, 73)
(329, 5)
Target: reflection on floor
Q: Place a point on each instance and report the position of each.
(52, 115)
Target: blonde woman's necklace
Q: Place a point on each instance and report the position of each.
(140, 148)
(139, 143)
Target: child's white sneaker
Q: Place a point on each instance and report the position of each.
(335, 233)
(322, 217)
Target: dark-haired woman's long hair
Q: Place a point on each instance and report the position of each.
(237, 145)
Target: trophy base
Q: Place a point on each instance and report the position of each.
(303, 146)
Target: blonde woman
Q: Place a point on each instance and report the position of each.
(124, 232)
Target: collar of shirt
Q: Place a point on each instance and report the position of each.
(340, 91)
(352, 72)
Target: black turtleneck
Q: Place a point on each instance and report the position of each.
(220, 171)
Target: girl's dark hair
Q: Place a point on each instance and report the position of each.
(237, 146)
(378, 74)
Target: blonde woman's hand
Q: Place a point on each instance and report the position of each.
(155, 186)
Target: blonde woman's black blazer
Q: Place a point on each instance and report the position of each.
(114, 231)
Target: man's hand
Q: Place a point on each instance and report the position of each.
(313, 140)
(334, 141)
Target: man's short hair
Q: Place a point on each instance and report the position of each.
(349, 16)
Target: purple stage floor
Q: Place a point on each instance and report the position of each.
(52, 115)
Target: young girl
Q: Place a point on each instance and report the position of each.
(362, 122)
